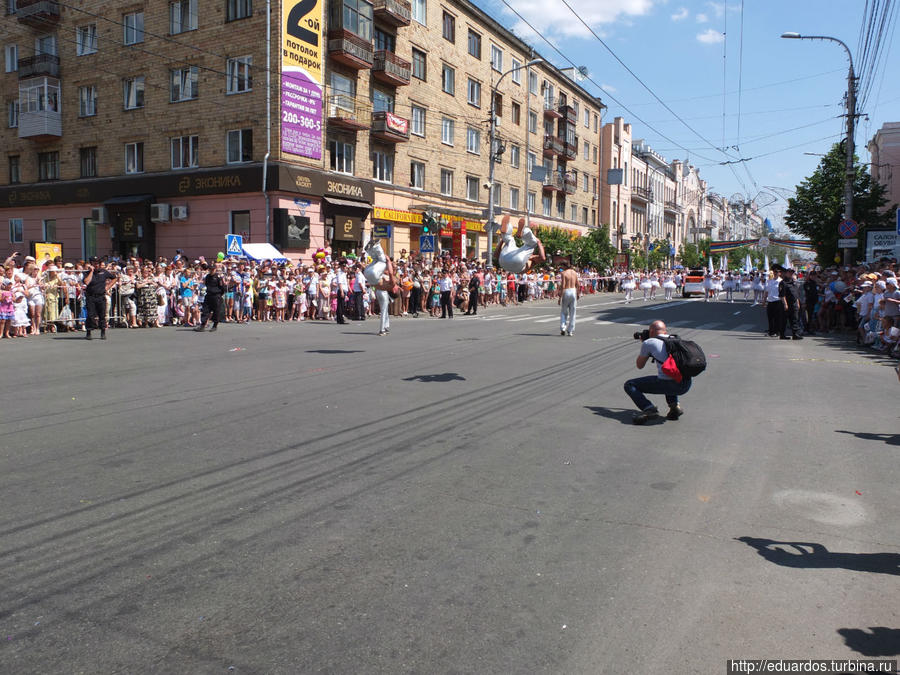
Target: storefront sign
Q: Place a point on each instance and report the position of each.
(381, 231)
(397, 216)
(317, 183)
(347, 228)
(301, 78)
(882, 244)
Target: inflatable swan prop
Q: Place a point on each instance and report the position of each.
(518, 259)
(377, 267)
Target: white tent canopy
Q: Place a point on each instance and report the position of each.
(264, 251)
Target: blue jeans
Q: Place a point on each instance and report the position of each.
(639, 386)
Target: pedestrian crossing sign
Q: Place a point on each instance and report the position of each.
(234, 245)
(426, 243)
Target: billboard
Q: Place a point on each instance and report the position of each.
(882, 244)
(302, 57)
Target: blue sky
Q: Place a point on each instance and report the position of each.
(727, 73)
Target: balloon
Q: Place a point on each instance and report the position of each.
(220, 256)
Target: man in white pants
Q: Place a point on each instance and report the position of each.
(385, 285)
(568, 296)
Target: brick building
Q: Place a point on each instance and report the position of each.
(135, 129)
(884, 149)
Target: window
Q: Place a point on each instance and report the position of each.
(417, 175)
(237, 72)
(473, 140)
(584, 215)
(418, 121)
(473, 93)
(16, 231)
(532, 82)
(595, 122)
(48, 229)
(185, 152)
(447, 182)
(134, 158)
(576, 108)
(238, 9)
(88, 238)
(531, 200)
(594, 185)
(182, 16)
(14, 175)
(134, 92)
(382, 101)
(472, 188)
(516, 70)
(514, 156)
(183, 84)
(546, 205)
(516, 113)
(12, 114)
(594, 154)
(625, 174)
(474, 44)
(498, 194)
(240, 223)
(573, 212)
(10, 6)
(48, 165)
(86, 39)
(585, 182)
(514, 198)
(532, 160)
(419, 11)
(239, 146)
(532, 121)
(385, 41)
(419, 64)
(587, 150)
(560, 208)
(449, 30)
(341, 156)
(12, 58)
(45, 44)
(448, 80)
(496, 58)
(447, 130)
(88, 162)
(587, 118)
(87, 101)
(383, 166)
(134, 27)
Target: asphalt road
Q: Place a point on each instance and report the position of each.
(460, 496)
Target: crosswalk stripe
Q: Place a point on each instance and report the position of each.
(552, 318)
(707, 326)
(521, 318)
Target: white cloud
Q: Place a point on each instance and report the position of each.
(609, 88)
(556, 19)
(702, 18)
(680, 15)
(718, 8)
(711, 37)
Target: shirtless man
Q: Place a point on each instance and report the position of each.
(386, 284)
(570, 291)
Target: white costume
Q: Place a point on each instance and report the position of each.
(668, 286)
(628, 286)
(378, 265)
(514, 259)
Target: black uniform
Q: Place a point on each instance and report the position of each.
(790, 290)
(212, 303)
(811, 291)
(95, 301)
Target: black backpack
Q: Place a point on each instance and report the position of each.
(688, 356)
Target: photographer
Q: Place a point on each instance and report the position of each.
(653, 346)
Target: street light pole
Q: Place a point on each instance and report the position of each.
(492, 157)
(850, 173)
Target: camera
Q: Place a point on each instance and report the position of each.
(642, 335)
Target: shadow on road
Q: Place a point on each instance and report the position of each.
(439, 377)
(880, 642)
(816, 556)
(624, 415)
(890, 439)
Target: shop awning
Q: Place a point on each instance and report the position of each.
(264, 251)
(348, 204)
(128, 199)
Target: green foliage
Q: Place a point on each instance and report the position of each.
(691, 255)
(659, 256)
(817, 209)
(592, 249)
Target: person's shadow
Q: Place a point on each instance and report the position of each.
(880, 642)
(890, 439)
(815, 556)
(440, 377)
(623, 415)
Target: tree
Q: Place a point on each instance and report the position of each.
(659, 254)
(594, 249)
(818, 208)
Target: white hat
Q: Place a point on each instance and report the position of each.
(891, 280)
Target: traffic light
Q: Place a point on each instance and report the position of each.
(429, 223)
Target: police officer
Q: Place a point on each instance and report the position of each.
(97, 282)
(789, 292)
(213, 302)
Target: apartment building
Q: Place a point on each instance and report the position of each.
(884, 150)
(136, 129)
(615, 193)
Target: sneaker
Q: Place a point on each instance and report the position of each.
(675, 411)
(562, 332)
(645, 415)
(570, 333)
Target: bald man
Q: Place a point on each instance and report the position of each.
(655, 348)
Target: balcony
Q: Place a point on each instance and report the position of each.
(570, 184)
(37, 13)
(570, 150)
(553, 146)
(568, 112)
(345, 113)
(554, 181)
(551, 109)
(350, 49)
(641, 194)
(671, 205)
(40, 125)
(394, 12)
(39, 65)
(390, 68)
(389, 127)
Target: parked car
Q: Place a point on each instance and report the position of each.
(693, 283)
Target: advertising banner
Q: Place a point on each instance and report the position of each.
(882, 244)
(302, 57)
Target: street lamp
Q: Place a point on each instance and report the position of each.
(492, 157)
(851, 120)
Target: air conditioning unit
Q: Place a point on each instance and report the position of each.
(593, 198)
(179, 212)
(99, 215)
(159, 213)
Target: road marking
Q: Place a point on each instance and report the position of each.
(521, 318)
(737, 312)
(707, 326)
(552, 318)
(680, 322)
(744, 326)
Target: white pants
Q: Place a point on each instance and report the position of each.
(567, 310)
(383, 305)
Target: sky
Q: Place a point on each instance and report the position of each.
(719, 83)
